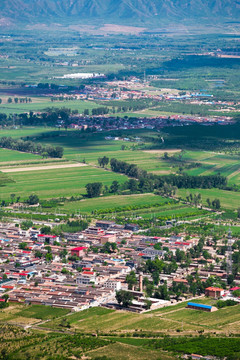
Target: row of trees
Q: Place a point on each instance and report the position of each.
(31, 147)
(17, 100)
(196, 199)
(95, 189)
(178, 181)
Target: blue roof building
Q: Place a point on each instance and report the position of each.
(202, 307)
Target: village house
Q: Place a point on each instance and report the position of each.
(214, 292)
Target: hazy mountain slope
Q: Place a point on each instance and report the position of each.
(119, 10)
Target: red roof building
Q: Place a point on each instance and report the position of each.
(214, 292)
(235, 288)
(47, 238)
(79, 251)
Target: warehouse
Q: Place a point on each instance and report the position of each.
(201, 307)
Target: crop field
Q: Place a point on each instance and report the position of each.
(92, 146)
(22, 314)
(39, 105)
(164, 320)
(25, 131)
(7, 155)
(121, 334)
(122, 351)
(154, 207)
(20, 344)
(89, 147)
(57, 182)
(106, 203)
(212, 163)
(174, 212)
(228, 199)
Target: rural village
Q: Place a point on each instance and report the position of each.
(85, 269)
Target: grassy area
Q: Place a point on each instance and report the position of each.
(22, 314)
(128, 329)
(25, 131)
(121, 351)
(228, 199)
(20, 344)
(42, 312)
(89, 147)
(105, 203)
(39, 104)
(166, 320)
(57, 182)
(12, 155)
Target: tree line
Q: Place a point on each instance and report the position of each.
(184, 181)
(142, 181)
(31, 147)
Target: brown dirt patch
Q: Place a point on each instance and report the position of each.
(39, 168)
(170, 151)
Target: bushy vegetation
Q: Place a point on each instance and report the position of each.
(220, 347)
(223, 303)
(180, 181)
(19, 344)
(31, 147)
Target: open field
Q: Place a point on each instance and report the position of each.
(31, 131)
(149, 206)
(66, 179)
(120, 328)
(40, 104)
(166, 320)
(7, 155)
(228, 199)
(41, 168)
(91, 146)
(57, 182)
(122, 351)
(105, 203)
(22, 314)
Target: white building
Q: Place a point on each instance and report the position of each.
(86, 279)
(113, 284)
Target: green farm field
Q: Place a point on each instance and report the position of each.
(89, 147)
(92, 146)
(7, 155)
(31, 131)
(105, 203)
(165, 320)
(121, 351)
(39, 104)
(57, 182)
(22, 314)
(228, 199)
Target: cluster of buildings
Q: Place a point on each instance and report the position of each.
(81, 273)
(107, 123)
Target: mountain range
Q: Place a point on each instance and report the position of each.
(118, 11)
